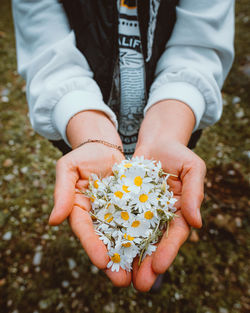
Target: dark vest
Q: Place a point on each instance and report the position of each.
(95, 23)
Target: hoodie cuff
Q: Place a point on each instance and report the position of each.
(75, 102)
(180, 91)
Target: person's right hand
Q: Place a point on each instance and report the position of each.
(72, 173)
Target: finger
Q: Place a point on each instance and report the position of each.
(119, 279)
(169, 245)
(143, 275)
(193, 194)
(82, 184)
(82, 201)
(66, 178)
(174, 184)
(82, 226)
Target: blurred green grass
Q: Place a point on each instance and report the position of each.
(44, 269)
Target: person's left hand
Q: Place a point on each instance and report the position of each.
(188, 189)
(163, 136)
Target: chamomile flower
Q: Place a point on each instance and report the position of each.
(136, 180)
(117, 260)
(168, 202)
(144, 201)
(95, 182)
(118, 196)
(123, 217)
(107, 215)
(122, 167)
(150, 216)
(128, 248)
(138, 227)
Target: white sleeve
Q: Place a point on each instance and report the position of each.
(59, 80)
(197, 59)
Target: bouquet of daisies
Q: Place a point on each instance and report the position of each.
(131, 209)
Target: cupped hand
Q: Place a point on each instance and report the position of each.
(72, 174)
(176, 159)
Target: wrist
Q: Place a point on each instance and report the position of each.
(167, 121)
(91, 125)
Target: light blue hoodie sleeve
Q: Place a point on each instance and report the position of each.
(59, 80)
(197, 59)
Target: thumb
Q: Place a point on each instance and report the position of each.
(66, 178)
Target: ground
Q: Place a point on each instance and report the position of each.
(44, 269)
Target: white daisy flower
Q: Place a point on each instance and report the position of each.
(137, 181)
(123, 217)
(95, 182)
(138, 227)
(144, 201)
(107, 215)
(122, 167)
(167, 201)
(117, 260)
(118, 197)
(150, 216)
(128, 248)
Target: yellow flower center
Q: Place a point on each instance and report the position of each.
(128, 165)
(96, 184)
(143, 197)
(125, 188)
(148, 215)
(108, 217)
(118, 194)
(128, 237)
(127, 244)
(116, 258)
(136, 224)
(125, 216)
(122, 176)
(92, 199)
(138, 181)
